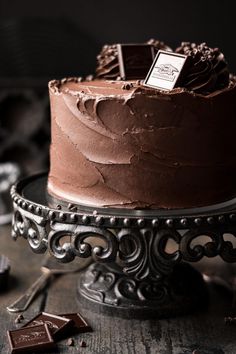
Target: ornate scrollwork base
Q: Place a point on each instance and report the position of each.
(135, 272)
(105, 288)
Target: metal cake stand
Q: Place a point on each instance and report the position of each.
(134, 273)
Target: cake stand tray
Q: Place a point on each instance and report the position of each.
(135, 273)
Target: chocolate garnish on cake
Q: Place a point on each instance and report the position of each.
(206, 70)
(108, 65)
(108, 60)
(159, 45)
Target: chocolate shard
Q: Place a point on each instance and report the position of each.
(83, 344)
(19, 318)
(135, 60)
(56, 324)
(165, 70)
(34, 338)
(108, 63)
(79, 323)
(70, 342)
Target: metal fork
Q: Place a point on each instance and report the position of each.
(49, 268)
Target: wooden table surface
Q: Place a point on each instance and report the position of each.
(204, 331)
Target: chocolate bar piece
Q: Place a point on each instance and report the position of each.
(165, 70)
(134, 60)
(4, 271)
(79, 324)
(34, 338)
(56, 324)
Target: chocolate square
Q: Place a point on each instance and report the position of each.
(56, 324)
(79, 324)
(30, 338)
(134, 60)
(165, 70)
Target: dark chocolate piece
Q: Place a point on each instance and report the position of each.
(79, 323)
(70, 342)
(55, 323)
(30, 338)
(165, 70)
(19, 318)
(108, 63)
(83, 344)
(134, 60)
(127, 86)
(4, 271)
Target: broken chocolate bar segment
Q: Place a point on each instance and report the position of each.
(34, 338)
(56, 324)
(165, 70)
(134, 60)
(79, 324)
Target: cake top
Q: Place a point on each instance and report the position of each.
(111, 88)
(205, 71)
(95, 88)
(100, 87)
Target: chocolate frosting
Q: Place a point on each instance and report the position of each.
(108, 66)
(141, 148)
(107, 60)
(159, 45)
(206, 70)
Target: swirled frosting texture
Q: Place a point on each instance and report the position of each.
(141, 148)
(107, 60)
(108, 66)
(206, 70)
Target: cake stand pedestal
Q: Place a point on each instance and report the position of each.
(135, 273)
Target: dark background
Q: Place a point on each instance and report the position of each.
(55, 38)
(43, 40)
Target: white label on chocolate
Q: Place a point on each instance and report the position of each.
(165, 70)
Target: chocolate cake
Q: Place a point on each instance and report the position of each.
(117, 143)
